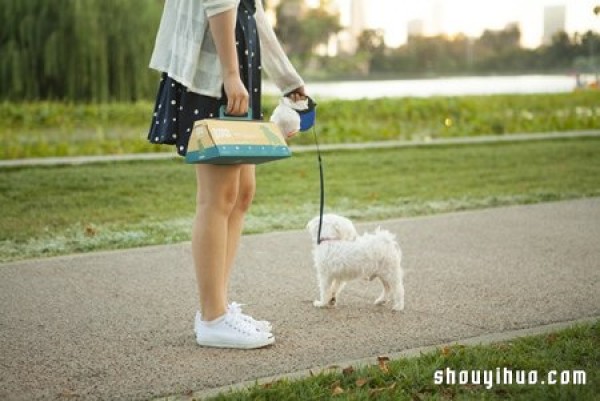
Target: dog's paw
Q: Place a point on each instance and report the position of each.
(319, 304)
(380, 302)
(398, 307)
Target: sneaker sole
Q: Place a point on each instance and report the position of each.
(233, 345)
(261, 329)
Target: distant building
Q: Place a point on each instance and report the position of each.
(347, 39)
(415, 27)
(554, 22)
(437, 17)
(357, 18)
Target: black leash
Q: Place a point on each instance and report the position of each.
(313, 124)
(322, 180)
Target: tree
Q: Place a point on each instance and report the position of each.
(301, 29)
(79, 50)
(372, 44)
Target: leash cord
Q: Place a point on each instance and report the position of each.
(322, 182)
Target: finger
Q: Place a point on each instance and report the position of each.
(239, 106)
(231, 105)
(244, 106)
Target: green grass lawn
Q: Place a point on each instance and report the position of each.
(556, 356)
(43, 129)
(69, 209)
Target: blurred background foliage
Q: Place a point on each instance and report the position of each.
(72, 129)
(98, 50)
(79, 50)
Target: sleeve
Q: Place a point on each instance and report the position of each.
(274, 60)
(214, 7)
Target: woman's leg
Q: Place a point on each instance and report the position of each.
(246, 190)
(217, 195)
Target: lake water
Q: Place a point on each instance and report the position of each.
(452, 86)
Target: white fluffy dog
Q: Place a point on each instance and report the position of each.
(343, 255)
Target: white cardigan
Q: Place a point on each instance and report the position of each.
(185, 49)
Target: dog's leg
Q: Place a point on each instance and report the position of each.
(332, 292)
(325, 284)
(398, 296)
(336, 288)
(384, 293)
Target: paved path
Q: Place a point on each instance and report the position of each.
(118, 325)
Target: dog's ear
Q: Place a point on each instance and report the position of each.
(345, 230)
(311, 226)
(338, 230)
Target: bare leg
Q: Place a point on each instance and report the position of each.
(217, 194)
(246, 190)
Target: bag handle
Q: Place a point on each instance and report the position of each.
(224, 116)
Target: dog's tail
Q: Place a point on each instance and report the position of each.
(388, 236)
(391, 239)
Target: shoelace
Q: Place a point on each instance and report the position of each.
(236, 309)
(242, 325)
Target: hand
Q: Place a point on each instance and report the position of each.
(237, 95)
(297, 94)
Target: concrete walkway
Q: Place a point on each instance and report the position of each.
(118, 325)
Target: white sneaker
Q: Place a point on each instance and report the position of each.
(229, 331)
(236, 309)
(262, 325)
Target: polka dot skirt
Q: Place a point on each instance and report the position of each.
(177, 108)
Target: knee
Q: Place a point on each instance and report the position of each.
(222, 202)
(245, 197)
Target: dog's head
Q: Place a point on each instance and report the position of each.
(334, 228)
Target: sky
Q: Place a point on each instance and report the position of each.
(471, 17)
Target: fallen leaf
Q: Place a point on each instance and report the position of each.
(383, 363)
(446, 351)
(361, 382)
(90, 231)
(348, 371)
(336, 388)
